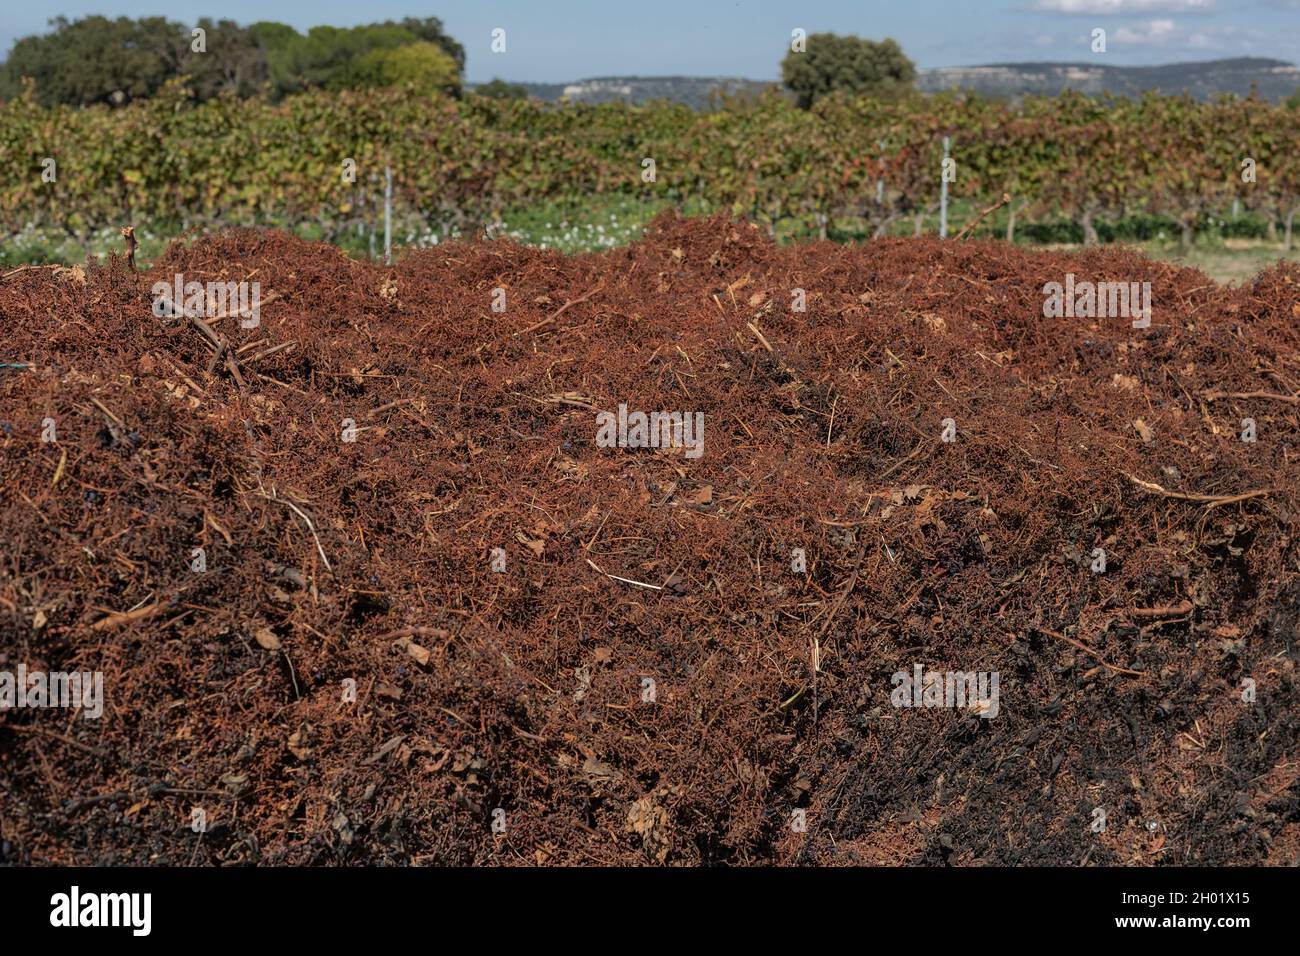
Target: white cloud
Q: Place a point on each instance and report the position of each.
(1122, 8)
(1153, 31)
(1224, 39)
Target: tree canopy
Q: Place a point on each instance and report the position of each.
(830, 63)
(98, 60)
(499, 89)
(424, 66)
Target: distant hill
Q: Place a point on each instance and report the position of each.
(1274, 80)
(696, 91)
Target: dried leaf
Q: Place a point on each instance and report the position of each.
(570, 468)
(419, 653)
(535, 545)
(649, 820)
(702, 495)
(207, 516)
(597, 770)
(75, 274)
(299, 744)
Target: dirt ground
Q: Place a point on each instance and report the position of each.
(649, 680)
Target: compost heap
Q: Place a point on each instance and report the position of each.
(313, 652)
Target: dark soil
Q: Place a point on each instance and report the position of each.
(330, 562)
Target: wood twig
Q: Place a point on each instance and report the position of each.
(1006, 198)
(390, 405)
(128, 617)
(415, 631)
(271, 351)
(1168, 610)
(310, 527)
(1213, 501)
(14, 272)
(1088, 650)
(221, 350)
(847, 590)
(246, 310)
(128, 233)
(72, 806)
(1271, 396)
(640, 584)
(562, 309)
(33, 729)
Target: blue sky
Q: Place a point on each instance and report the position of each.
(558, 40)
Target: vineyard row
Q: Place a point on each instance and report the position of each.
(319, 157)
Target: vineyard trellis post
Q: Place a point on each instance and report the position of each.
(388, 215)
(943, 191)
(370, 214)
(880, 180)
